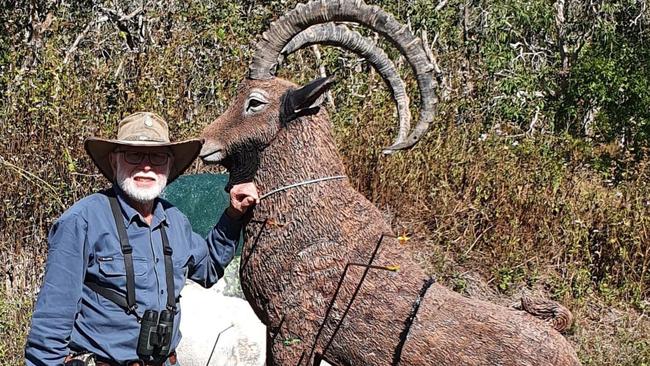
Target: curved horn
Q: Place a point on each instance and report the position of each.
(303, 16)
(340, 35)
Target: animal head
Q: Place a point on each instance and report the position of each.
(258, 111)
(265, 104)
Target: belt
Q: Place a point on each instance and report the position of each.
(172, 361)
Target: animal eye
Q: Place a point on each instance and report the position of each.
(256, 102)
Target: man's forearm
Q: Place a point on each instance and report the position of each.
(221, 247)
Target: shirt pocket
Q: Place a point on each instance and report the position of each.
(115, 267)
(112, 274)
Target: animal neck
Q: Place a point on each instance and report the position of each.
(302, 151)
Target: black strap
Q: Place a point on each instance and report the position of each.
(128, 303)
(108, 293)
(127, 251)
(169, 269)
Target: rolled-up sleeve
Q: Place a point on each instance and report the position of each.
(211, 260)
(60, 295)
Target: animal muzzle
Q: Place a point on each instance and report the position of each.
(212, 154)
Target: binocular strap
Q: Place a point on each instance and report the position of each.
(128, 303)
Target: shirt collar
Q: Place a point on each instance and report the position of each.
(131, 214)
(159, 214)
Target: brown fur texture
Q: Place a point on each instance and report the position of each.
(292, 264)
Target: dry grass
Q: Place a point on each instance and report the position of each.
(494, 215)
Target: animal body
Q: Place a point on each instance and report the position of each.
(320, 265)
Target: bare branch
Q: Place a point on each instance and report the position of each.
(323, 73)
(641, 13)
(119, 69)
(533, 123)
(561, 33)
(118, 15)
(445, 90)
(81, 35)
(440, 5)
(120, 19)
(589, 119)
(133, 14)
(34, 39)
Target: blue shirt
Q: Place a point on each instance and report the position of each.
(84, 243)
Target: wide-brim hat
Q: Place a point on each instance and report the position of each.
(143, 129)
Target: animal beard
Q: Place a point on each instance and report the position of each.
(138, 194)
(242, 164)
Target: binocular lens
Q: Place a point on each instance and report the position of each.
(155, 337)
(147, 335)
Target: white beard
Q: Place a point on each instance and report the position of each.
(141, 195)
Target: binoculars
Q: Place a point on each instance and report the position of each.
(155, 337)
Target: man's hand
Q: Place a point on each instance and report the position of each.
(242, 197)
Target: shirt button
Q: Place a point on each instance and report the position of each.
(157, 259)
(162, 292)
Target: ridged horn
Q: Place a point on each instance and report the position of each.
(281, 31)
(341, 36)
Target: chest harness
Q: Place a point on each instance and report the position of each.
(156, 330)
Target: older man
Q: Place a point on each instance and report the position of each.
(118, 259)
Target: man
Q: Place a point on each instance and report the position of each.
(115, 255)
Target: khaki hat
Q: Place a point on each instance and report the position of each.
(143, 129)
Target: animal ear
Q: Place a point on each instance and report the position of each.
(305, 100)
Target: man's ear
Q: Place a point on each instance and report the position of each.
(305, 100)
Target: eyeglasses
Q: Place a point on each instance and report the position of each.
(136, 157)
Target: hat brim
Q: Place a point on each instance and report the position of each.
(184, 153)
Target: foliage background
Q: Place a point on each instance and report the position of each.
(534, 176)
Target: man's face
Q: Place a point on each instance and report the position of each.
(141, 172)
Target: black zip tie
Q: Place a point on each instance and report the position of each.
(397, 356)
(278, 328)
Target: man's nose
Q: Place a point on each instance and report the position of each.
(145, 164)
